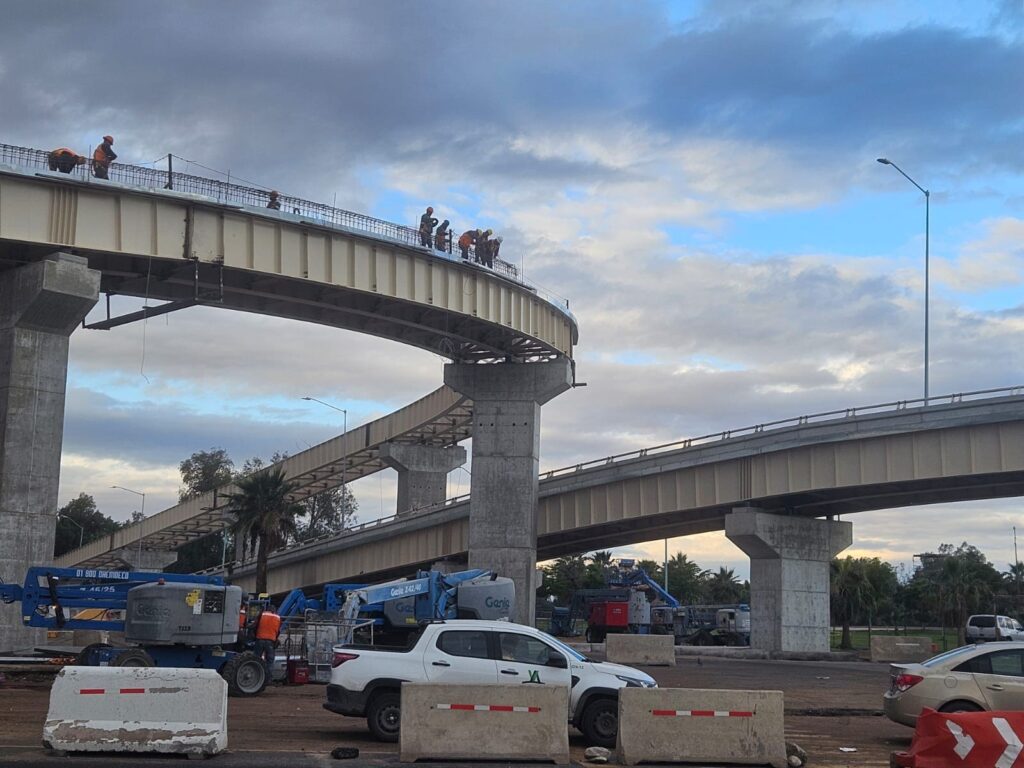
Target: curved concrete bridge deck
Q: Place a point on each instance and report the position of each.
(882, 457)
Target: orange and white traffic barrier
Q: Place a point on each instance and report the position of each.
(968, 739)
(133, 709)
(484, 722)
(693, 725)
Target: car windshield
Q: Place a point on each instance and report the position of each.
(936, 660)
(568, 649)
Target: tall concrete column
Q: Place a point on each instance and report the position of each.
(789, 576)
(506, 459)
(422, 472)
(41, 303)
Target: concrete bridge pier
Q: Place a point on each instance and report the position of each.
(789, 576)
(41, 303)
(422, 472)
(145, 559)
(506, 460)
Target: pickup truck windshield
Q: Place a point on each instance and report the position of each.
(562, 646)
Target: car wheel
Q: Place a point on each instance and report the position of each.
(246, 674)
(600, 723)
(384, 716)
(960, 706)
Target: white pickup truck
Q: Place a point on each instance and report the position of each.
(367, 680)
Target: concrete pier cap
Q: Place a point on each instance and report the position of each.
(422, 471)
(790, 559)
(41, 303)
(506, 460)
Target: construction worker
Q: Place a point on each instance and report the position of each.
(268, 627)
(427, 224)
(103, 157)
(483, 246)
(467, 239)
(492, 253)
(64, 160)
(275, 200)
(441, 236)
(243, 618)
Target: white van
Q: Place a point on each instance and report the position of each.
(982, 627)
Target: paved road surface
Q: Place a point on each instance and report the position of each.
(288, 726)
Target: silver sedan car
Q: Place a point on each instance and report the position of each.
(968, 679)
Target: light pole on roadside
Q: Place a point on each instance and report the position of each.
(81, 529)
(344, 448)
(927, 200)
(142, 512)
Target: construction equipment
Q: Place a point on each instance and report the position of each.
(167, 620)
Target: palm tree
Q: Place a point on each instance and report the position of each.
(685, 579)
(965, 586)
(264, 515)
(852, 591)
(723, 587)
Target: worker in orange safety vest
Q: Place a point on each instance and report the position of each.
(103, 157)
(268, 627)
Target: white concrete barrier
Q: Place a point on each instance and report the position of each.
(484, 722)
(691, 725)
(657, 650)
(901, 648)
(132, 709)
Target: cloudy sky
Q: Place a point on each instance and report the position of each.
(697, 177)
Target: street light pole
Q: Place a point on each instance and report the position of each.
(927, 227)
(81, 530)
(143, 512)
(344, 450)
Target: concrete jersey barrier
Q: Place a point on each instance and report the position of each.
(899, 648)
(692, 725)
(133, 709)
(658, 650)
(481, 722)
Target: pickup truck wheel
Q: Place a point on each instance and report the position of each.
(600, 723)
(384, 715)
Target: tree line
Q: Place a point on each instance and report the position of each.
(687, 581)
(946, 588)
(264, 518)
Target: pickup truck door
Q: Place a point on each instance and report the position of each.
(526, 659)
(459, 656)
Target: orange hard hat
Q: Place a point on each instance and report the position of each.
(108, 139)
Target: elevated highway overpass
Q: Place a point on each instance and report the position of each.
(186, 240)
(961, 447)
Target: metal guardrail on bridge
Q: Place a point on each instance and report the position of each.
(230, 193)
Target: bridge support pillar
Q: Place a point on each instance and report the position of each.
(145, 559)
(422, 472)
(789, 576)
(506, 457)
(41, 303)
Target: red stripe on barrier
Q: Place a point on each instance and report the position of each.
(533, 709)
(734, 713)
(133, 690)
(92, 690)
(464, 707)
(702, 713)
(664, 712)
(501, 708)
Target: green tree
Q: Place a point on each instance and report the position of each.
(330, 511)
(264, 516)
(968, 582)
(722, 587)
(80, 521)
(685, 580)
(562, 577)
(851, 591)
(202, 472)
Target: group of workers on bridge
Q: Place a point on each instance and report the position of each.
(485, 249)
(66, 160)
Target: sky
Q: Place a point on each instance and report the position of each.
(698, 178)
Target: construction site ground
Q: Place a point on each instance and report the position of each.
(829, 706)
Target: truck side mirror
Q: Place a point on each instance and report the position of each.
(557, 661)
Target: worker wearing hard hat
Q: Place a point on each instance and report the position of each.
(103, 157)
(483, 246)
(275, 200)
(268, 627)
(427, 224)
(64, 160)
(442, 236)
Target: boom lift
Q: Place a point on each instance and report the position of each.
(168, 620)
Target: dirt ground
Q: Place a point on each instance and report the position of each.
(828, 705)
